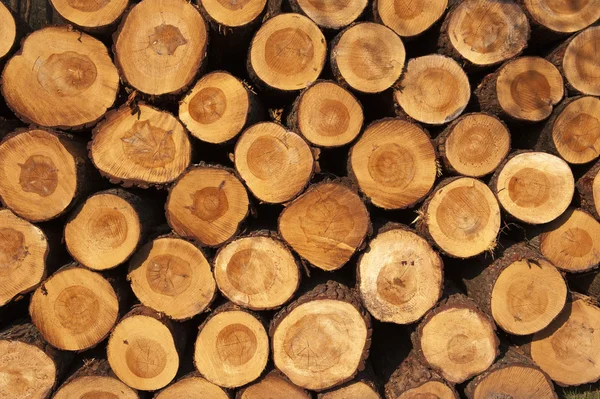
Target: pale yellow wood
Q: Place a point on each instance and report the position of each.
(26, 372)
(233, 13)
(517, 382)
(8, 30)
(431, 388)
(91, 13)
(580, 62)
(333, 14)
(564, 15)
(192, 387)
(357, 390)
(410, 18)
(95, 387)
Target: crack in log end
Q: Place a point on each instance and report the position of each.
(251, 271)
(236, 345)
(149, 146)
(39, 175)
(289, 51)
(169, 275)
(166, 39)
(67, 74)
(145, 358)
(76, 309)
(209, 204)
(208, 105)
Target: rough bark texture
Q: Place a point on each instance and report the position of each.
(585, 190)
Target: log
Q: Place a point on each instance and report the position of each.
(474, 145)
(559, 18)
(573, 131)
(286, 59)
(524, 89)
(144, 349)
(219, 107)
(461, 217)
(483, 33)
(75, 309)
(433, 90)
(257, 272)
(588, 190)
(533, 187)
(231, 17)
(456, 339)
(94, 379)
(408, 20)
(232, 347)
(276, 385)
(172, 276)
(160, 46)
(8, 31)
(326, 224)
(145, 148)
(42, 173)
(276, 164)
(367, 57)
(330, 15)
(363, 389)
(24, 251)
(322, 339)
(514, 375)
(568, 350)
(586, 283)
(192, 384)
(39, 91)
(97, 16)
(326, 115)
(521, 290)
(30, 367)
(394, 163)
(399, 277)
(413, 380)
(207, 204)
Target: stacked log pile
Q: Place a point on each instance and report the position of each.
(330, 199)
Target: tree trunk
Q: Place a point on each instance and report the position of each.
(555, 19)
(96, 17)
(588, 188)
(330, 15)
(273, 385)
(193, 384)
(8, 32)
(408, 20)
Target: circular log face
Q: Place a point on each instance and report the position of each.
(435, 90)
(161, 45)
(430, 389)
(172, 276)
(75, 309)
(325, 225)
(369, 57)
(477, 144)
(410, 19)
(576, 131)
(288, 52)
(488, 32)
(320, 343)
(90, 14)
(329, 115)
(142, 353)
(394, 163)
(274, 386)
(23, 252)
(596, 192)
(400, 277)
(233, 13)
(333, 14)
(257, 272)
(564, 15)
(70, 83)
(95, 387)
(515, 382)
(357, 390)
(527, 296)
(192, 387)
(207, 204)
(535, 187)
(572, 242)
(27, 372)
(8, 30)
(463, 218)
(216, 109)
(581, 60)
(232, 349)
(569, 349)
(149, 147)
(528, 88)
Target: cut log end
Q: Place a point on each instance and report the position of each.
(566, 16)
(487, 33)
(327, 115)
(273, 385)
(409, 19)
(161, 45)
(463, 218)
(325, 225)
(357, 390)
(276, 164)
(23, 253)
(394, 163)
(514, 381)
(400, 277)
(433, 90)
(74, 309)
(257, 272)
(198, 385)
(99, 387)
(331, 14)
(232, 348)
(476, 145)
(27, 372)
(568, 351)
(150, 147)
(534, 187)
(172, 276)
(572, 242)
(528, 88)
(233, 14)
(68, 84)
(431, 389)
(207, 204)
(217, 108)
(287, 53)
(8, 31)
(368, 57)
(91, 14)
(142, 352)
(580, 62)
